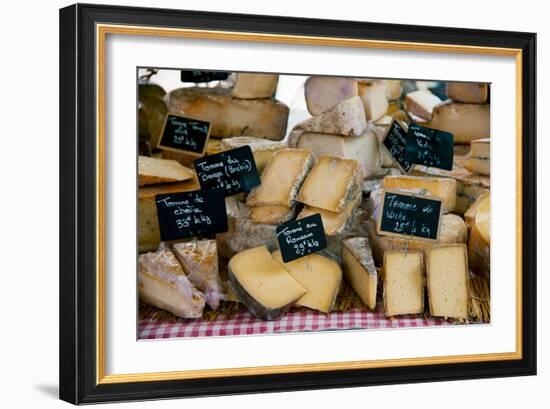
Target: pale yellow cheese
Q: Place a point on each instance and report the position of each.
(443, 188)
(421, 103)
(480, 157)
(250, 86)
(479, 244)
(394, 89)
(466, 122)
(374, 97)
(272, 214)
(403, 283)
(320, 276)
(471, 213)
(469, 92)
(359, 269)
(262, 149)
(323, 93)
(447, 281)
(154, 170)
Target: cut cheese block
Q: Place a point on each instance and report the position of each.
(199, 260)
(346, 118)
(282, 178)
(453, 230)
(466, 122)
(148, 225)
(403, 283)
(447, 281)
(480, 157)
(374, 97)
(323, 93)
(162, 283)
(394, 89)
(479, 245)
(421, 103)
(443, 188)
(469, 92)
(250, 86)
(263, 284)
(262, 149)
(471, 213)
(363, 148)
(333, 223)
(272, 214)
(359, 269)
(331, 183)
(320, 276)
(229, 116)
(154, 170)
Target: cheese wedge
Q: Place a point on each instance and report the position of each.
(480, 157)
(272, 214)
(323, 93)
(374, 97)
(421, 103)
(471, 213)
(153, 170)
(263, 284)
(230, 116)
(443, 188)
(199, 260)
(479, 244)
(403, 283)
(469, 92)
(320, 276)
(331, 183)
(162, 283)
(447, 281)
(359, 269)
(282, 178)
(346, 118)
(250, 86)
(262, 149)
(467, 122)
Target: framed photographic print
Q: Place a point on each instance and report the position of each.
(258, 203)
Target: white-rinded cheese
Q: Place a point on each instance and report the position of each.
(403, 283)
(346, 118)
(394, 89)
(469, 92)
(320, 276)
(374, 97)
(162, 283)
(447, 281)
(199, 259)
(471, 213)
(466, 122)
(229, 116)
(480, 157)
(331, 183)
(363, 148)
(359, 269)
(154, 170)
(421, 103)
(272, 214)
(262, 149)
(250, 86)
(479, 244)
(444, 188)
(282, 178)
(263, 284)
(323, 93)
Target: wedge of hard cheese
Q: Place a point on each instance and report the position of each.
(262, 149)
(421, 103)
(480, 157)
(199, 260)
(479, 244)
(471, 213)
(332, 183)
(323, 93)
(466, 122)
(272, 214)
(251, 86)
(154, 170)
(263, 284)
(359, 269)
(375, 99)
(469, 92)
(444, 188)
(162, 283)
(447, 281)
(320, 276)
(403, 283)
(229, 116)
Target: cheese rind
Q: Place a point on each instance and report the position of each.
(331, 183)
(447, 281)
(421, 103)
(323, 93)
(479, 244)
(229, 116)
(471, 213)
(320, 276)
(154, 170)
(466, 122)
(262, 284)
(468, 92)
(374, 97)
(262, 149)
(251, 86)
(272, 214)
(403, 283)
(359, 269)
(443, 188)
(480, 157)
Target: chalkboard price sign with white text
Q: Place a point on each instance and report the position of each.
(184, 134)
(395, 142)
(301, 237)
(430, 147)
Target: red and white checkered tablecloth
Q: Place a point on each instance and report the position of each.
(244, 323)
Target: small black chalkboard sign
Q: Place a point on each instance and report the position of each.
(407, 215)
(395, 141)
(430, 147)
(184, 134)
(233, 171)
(301, 237)
(203, 76)
(188, 214)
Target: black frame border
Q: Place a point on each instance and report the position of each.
(78, 197)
